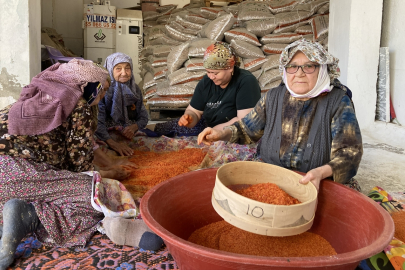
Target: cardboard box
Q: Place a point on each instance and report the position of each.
(149, 5)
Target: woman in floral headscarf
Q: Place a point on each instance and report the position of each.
(226, 94)
(307, 123)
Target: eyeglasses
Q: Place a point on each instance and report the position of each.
(307, 69)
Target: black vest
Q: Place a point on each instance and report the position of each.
(318, 149)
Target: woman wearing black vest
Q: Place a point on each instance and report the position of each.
(307, 123)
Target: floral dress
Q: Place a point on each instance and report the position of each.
(43, 170)
(67, 147)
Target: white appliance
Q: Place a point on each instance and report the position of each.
(99, 31)
(129, 37)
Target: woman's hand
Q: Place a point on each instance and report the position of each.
(124, 162)
(186, 120)
(120, 148)
(209, 135)
(316, 175)
(130, 131)
(117, 173)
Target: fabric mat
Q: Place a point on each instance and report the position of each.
(100, 253)
(393, 256)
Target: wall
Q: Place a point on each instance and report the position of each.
(355, 29)
(339, 23)
(355, 38)
(393, 36)
(20, 57)
(66, 18)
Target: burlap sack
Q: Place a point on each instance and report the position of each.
(280, 38)
(246, 50)
(177, 35)
(252, 10)
(210, 13)
(188, 24)
(304, 30)
(274, 48)
(168, 102)
(198, 46)
(215, 30)
(273, 61)
(241, 34)
(194, 64)
(184, 76)
(261, 27)
(269, 76)
(282, 5)
(253, 64)
(177, 56)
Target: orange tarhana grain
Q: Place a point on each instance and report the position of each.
(154, 168)
(399, 221)
(268, 193)
(223, 236)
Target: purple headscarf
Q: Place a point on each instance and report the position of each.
(51, 96)
(120, 95)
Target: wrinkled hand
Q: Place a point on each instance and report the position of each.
(209, 135)
(129, 131)
(120, 148)
(316, 175)
(119, 173)
(115, 172)
(312, 177)
(124, 162)
(185, 120)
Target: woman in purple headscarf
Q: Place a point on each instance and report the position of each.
(122, 107)
(46, 140)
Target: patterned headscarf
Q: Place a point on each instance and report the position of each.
(315, 52)
(120, 95)
(53, 92)
(220, 56)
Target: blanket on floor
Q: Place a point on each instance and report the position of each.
(99, 253)
(393, 256)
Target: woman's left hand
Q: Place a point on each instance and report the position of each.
(116, 172)
(316, 175)
(125, 163)
(130, 131)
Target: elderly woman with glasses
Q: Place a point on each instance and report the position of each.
(307, 124)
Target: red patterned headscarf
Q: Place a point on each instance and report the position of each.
(220, 56)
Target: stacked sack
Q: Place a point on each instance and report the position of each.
(176, 39)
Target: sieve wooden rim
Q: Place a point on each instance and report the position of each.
(258, 217)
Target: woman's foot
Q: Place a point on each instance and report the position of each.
(132, 232)
(19, 219)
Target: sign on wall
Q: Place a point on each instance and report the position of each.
(100, 21)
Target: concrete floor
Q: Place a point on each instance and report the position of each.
(382, 165)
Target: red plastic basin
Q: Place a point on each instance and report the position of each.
(355, 225)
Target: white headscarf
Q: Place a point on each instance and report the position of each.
(322, 84)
